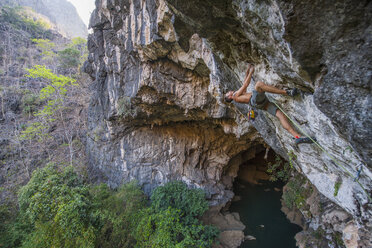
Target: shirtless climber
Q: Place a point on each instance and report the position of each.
(258, 99)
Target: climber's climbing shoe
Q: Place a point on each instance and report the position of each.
(304, 140)
(292, 92)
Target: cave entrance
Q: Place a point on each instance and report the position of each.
(257, 200)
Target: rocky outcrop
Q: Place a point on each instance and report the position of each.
(61, 12)
(324, 223)
(161, 68)
(231, 229)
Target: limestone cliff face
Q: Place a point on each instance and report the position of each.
(161, 68)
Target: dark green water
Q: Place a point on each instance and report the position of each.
(259, 207)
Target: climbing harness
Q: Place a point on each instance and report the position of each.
(251, 115)
(356, 179)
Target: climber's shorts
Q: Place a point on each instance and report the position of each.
(259, 100)
(271, 108)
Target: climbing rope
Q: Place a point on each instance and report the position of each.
(329, 155)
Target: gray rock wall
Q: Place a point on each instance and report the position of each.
(161, 68)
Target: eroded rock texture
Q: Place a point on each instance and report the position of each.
(161, 68)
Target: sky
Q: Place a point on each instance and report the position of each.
(84, 8)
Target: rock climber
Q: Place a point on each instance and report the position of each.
(258, 99)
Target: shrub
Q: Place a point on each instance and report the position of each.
(172, 220)
(46, 46)
(36, 130)
(117, 214)
(337, 238)
(280, 170)
(125, 107)
(191, 202)
(296, 192)
(57, 209)
(30, 102)
(6, 219)
(166, 229)
(81, 45)
(69, 58)
(337, 187)
(57, 206)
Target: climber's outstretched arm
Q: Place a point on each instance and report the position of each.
(247, 81)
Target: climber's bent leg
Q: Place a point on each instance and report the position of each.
(285, 123)
(262, 87)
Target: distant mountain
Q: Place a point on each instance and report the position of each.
(60, 12)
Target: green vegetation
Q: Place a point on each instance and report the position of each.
(337, 187)
(280, 170)
(46, 46)
(36, 131)
(74, 54)
(80, 44)
(296, 192)
(30, 103)
(178, 196)
(56, 84)
(7, 220)
(69, 57)
(118, 214)
(349, 149)
(19, 18)
(319, 233)
(54, 93)
(337, 238)
(57, 209)
(172, 220)
(291, 157)
(125, 107)
(54, 212)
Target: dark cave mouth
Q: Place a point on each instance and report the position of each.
(254, 170)
(258, 202)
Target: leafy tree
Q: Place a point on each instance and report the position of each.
(117, 212)
(57, 206)
(57, 209)
(36, 130)
(191, 202)
(172, 220)
(166, 229)
(69, 58)
(46, 47)
(74, 55)
(80, 44)
(54, 94)
(6, 219)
